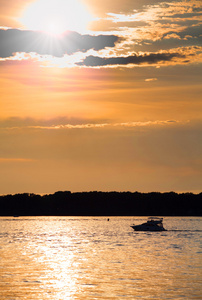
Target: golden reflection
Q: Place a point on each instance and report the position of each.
(90, 258)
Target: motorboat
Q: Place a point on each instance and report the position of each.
(152, 224)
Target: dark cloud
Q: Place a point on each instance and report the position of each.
(186, 15)
(192, 32)
(14, 40)
(170, 42)
(95, 61)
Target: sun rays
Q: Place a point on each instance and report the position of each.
(56, 17)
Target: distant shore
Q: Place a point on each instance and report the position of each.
(102, 204)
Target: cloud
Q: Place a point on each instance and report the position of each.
(151, 79)
(152, 58)
(153, 29)
(172, 36)
(49, 125)
(14, 40)
(167, 22)
(123, 124)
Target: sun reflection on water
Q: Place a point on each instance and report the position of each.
(58, 275)
(89, 258)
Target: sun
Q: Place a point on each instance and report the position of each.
(56, 16)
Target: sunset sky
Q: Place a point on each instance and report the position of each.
(100, 95)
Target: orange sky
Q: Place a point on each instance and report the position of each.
(113, 106)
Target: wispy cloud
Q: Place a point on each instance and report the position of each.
(151, 79)
(161, 26)
(94, 125)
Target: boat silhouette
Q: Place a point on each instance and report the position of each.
(152, 224)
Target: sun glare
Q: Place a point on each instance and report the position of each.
(56, 16)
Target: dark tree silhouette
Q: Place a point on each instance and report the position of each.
(102, 204)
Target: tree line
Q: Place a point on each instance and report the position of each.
(102, 204)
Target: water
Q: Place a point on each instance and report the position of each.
(61, 258)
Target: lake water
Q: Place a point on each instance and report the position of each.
(61, 258)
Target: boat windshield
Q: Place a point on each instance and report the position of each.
(155, 220)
